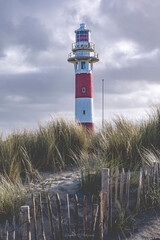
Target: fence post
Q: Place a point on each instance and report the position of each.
(34, 217)
(58, 202)
(25, 221)
(122, 186)
(41, 218)
(91, 218)
(105, 188)
(127, 190)
(145, 184)
(76, 216)
(110, 198)
(0, 232)
(139, 190)
(151, 175)
(49, 206)
(95, 220)
(101, 216)
(157, 176)
(154, 172)
(14, 226)
(116, 186)
(68, 218)
(6, 230)
(85, 217)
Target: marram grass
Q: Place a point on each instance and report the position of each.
(50, 147)
(124, 144)
(61, 144)
(12, 196)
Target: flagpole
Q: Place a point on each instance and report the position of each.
(102, 103)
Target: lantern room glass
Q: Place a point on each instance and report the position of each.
(82, 36)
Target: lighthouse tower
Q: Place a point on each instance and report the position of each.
(83, 56)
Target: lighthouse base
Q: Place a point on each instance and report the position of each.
(88, 126)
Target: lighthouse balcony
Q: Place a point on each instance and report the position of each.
(88, 56)
(83, 46)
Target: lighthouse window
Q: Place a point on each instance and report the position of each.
(84, 112)
(82, 36)
(83, 65)
(83, 90)
(76, 66)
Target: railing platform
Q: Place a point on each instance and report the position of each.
(83, 46)
(90, 56)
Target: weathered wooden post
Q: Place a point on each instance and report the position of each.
(154, 172)
(91, 218)
(34, 218)
(76, 216)
(139, 190)
(58, 202)
(25, 221)
(116, 186)
(105, 188)
(68, 218)
(110, 198)
(14, 227)
(6, 230)
(0, 232)
(122, 186)
(145, 188)
(95, 220)
(100, 216)
(49, 206)
(157, 176)
(41, 217)
(85, 217)
(127, 190)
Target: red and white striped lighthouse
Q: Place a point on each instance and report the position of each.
(83, 56)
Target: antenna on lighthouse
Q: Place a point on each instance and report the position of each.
(102, 103)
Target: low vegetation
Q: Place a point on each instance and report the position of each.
(123, 144)
(12, 196)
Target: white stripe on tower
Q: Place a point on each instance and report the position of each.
(84, 110)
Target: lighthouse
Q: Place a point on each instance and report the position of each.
(83, 56)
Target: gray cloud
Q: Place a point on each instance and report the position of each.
(35, 38)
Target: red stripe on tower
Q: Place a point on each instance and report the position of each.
(83, 56)
(84, 85)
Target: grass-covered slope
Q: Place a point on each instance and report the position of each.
(59, 144)
(50, 147)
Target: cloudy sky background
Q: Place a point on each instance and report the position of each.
(37, 82)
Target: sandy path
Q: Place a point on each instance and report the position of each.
(148, 227)
(63, 182)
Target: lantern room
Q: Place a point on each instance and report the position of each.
(83, 49)
(82, 37)
(82, 34)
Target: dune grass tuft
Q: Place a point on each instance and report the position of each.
(12, 196)
(124, 144)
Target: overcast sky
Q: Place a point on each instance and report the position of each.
(37, 82)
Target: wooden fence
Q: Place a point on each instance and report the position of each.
(50, 217)
(81, 217)
(127, 192)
